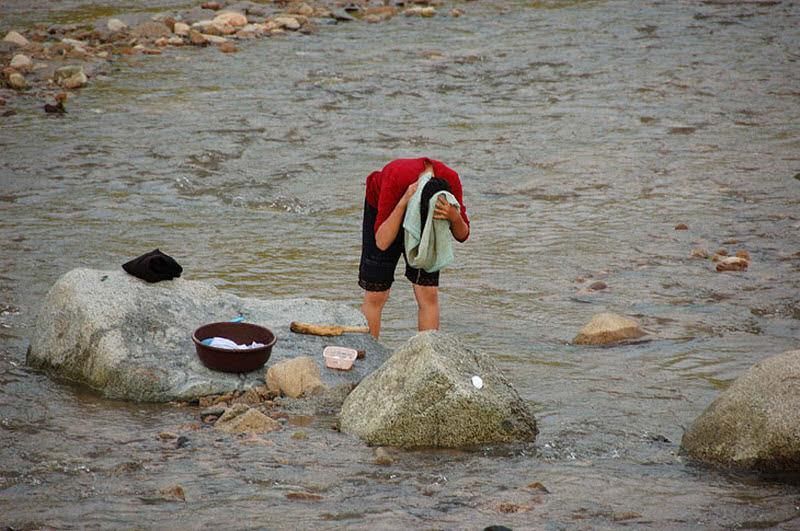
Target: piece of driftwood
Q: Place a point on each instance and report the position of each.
(325, 330)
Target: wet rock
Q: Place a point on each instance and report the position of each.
(17, 81)
(754, 423)
(132, 340)
(240, 418)
(215, 39)
(229, 18)
(681, 226)
(382, 457)
(732, 263)
(71, 77)
(294, 378)
(182, 29)
(538, 487)
(173, 493)
(303, 496)
(21, 63)
(289, 23)
(607, 328)
(151, 30)
(16, 38)
(424, 396)
(598, 285)
(197, 39)
(115, 25)
(228, 47)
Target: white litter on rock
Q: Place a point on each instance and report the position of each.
(477, 381)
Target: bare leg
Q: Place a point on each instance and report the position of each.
(372, 307)
(428, 304)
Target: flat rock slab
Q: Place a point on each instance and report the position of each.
(132, 340)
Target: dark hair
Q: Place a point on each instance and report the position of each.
(433, 186)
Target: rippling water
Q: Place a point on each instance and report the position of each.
(584, 133)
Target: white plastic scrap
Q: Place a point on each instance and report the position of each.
(477, 381)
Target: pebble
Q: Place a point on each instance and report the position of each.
(16, 38)
(382, 457)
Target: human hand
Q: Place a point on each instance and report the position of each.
(444, 210)
(410, 190)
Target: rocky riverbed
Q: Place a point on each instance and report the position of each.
(51, 61)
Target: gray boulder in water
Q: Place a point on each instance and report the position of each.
(426, 395)
(755, 423)
(131, 340)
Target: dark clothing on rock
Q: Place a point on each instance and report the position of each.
(153, 267)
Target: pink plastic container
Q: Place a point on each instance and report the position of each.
(341, 358)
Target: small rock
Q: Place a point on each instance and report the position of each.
(182, 29)
(16, 38)
(539, 487)
(382, 457)
(732, 263)
(598, 285)
(215, 39)
(289, 23)
(230, 18)
(240, 418)
(213, 6)
(17, 81)
(21, 63)
(605, 328)
(228, 47)
(151, 30)
(167, 436)
(294, 377)
(743, 254)
(455, 12)
(197, 38)
(182, 442)
(174, 492)
(681, 226)
(699, 252)
(115, 25)
(175, 40)
(303, 496)
(299, 436)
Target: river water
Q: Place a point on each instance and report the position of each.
(584, 132)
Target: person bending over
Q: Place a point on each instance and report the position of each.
(388, 192)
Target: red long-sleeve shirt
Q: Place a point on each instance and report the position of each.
(386, 187)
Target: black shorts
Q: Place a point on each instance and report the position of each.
(376, 271)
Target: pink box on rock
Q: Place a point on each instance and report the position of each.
(341, 358)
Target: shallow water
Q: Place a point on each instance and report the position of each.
(584, 132)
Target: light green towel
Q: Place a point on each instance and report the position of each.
(428, 243)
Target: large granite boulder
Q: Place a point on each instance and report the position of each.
(755, 423)
(132, 340)
(434, 392)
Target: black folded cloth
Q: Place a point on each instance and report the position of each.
(153, 267)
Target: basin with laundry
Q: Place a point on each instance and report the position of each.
(233, 346)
